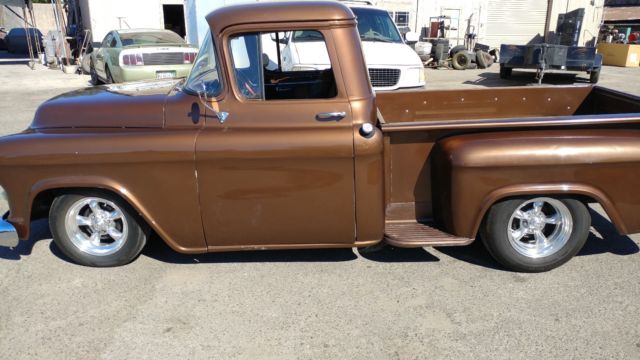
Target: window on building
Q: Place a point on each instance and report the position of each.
(401, 18)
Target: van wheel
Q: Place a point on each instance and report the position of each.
(461, 60)
(96, 229)
(535, 234)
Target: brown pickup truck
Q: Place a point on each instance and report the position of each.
(251, 152)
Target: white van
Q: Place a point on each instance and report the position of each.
(392, 64)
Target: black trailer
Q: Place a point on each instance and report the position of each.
(564, 54)
(544, 57)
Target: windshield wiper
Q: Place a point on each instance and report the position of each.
(375, 38)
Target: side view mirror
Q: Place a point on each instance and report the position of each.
(412, 37)
(204, 100)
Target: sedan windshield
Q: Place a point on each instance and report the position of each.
(376, 25)
(150, 37)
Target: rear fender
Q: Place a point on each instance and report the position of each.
(472, 172)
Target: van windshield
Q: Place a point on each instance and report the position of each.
(376, 25)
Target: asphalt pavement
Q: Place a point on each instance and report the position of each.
(438, 303)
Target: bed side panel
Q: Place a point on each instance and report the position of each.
(474, 171)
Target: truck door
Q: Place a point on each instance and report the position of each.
(279, 170)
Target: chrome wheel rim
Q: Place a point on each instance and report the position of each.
(96, 226)
(540, 227)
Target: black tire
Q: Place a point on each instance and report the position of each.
(461, 61)
(134, 238)
(505, 72)
(594, 77)
(483, 59)
(499, 221)
(108, 73)
(456, 49)
(95, 80)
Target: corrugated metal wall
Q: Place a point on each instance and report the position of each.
(515, 22)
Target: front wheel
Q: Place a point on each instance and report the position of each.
(536, 234)
(96, 229)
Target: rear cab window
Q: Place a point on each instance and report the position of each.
(283, 65)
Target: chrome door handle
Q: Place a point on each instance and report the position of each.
(331, 116)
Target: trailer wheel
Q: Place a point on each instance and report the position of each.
(535, 234)
(505, 72)
(594, 77)
(461, 60)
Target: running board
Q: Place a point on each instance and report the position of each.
(415, 234)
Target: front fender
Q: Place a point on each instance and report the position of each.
(472, 172)
(152, 169)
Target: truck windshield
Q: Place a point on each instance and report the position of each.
(204, 74)
(376, 25)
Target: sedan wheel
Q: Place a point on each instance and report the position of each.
(96, 229)
(536, 234)
(95, 80)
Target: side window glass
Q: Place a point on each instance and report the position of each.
(114, 42)
(107, 41)
(245, 51)
(204, 73)
(283, 65)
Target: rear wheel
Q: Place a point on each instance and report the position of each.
(95, 80)
(109, 77)
(96, 229)
(535, 234)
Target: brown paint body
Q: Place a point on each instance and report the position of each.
(272, 176)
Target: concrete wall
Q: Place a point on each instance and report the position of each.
(195, 12)
(102, 16)
(8, 19)
(44, 17)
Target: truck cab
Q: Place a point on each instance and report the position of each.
(390, 62)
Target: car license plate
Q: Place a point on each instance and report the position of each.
(165, 74)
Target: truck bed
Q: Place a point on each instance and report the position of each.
(514, 104)
(416, 124)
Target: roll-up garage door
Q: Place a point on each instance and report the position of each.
(515, 22)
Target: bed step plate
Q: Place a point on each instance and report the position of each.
(415, 234)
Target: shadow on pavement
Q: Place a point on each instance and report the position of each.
(392, 254)
(158, 250)
(13, 59)
(523, 78)
(475, 254)
(611, 242)
(39, 231)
